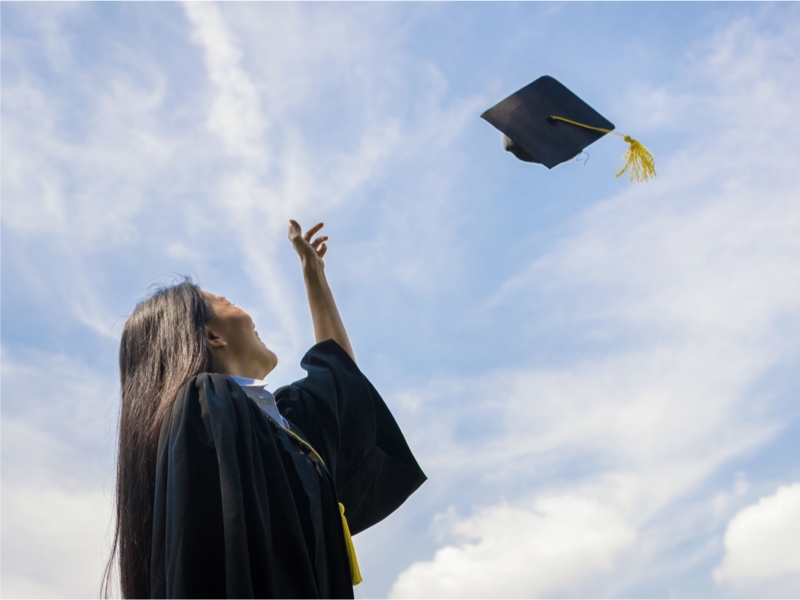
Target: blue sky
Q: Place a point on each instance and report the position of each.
(600, 378)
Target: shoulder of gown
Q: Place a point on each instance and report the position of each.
(349, 424)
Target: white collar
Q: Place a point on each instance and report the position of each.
(248, 382)
(256, 390)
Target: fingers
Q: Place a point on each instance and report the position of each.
(322, 250)
(315, 244)
(312, 231)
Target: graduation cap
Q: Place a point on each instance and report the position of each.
(546, 123)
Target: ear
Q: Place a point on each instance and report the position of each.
(213, 340)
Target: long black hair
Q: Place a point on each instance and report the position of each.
(163, 346)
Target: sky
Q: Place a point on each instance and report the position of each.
(599, 378)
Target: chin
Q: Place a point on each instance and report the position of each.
(271, 361)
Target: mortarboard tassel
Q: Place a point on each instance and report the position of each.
(638, 158)
(355, 572)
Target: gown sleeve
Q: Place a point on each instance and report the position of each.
(349, 424)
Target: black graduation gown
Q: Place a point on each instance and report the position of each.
(243, 510)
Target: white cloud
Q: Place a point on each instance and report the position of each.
(55, 542)
(521, 552)
(762, 546)
(57, 475)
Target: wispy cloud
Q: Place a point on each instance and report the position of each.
(297, 158)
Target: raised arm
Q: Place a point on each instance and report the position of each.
(324, 314)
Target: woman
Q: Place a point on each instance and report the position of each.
(226, 491)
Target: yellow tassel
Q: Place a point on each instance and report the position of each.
(639, 160)
(351, 549)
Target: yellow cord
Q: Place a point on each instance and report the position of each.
(638, 158)
(305, 443)
(571, 122)
(355, 572)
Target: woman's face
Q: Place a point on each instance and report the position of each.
(234, 341)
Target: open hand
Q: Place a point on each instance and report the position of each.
(311, 252)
